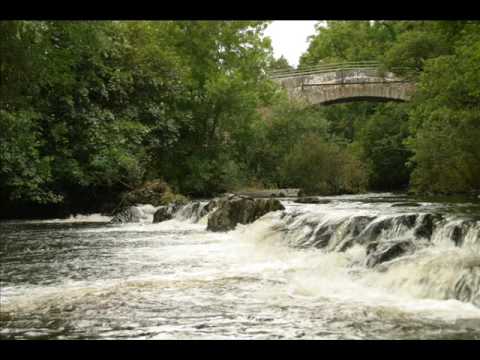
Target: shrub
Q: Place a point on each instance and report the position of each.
(320, 167)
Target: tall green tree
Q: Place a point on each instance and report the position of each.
(445, 122)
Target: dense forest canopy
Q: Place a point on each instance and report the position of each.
(91, 109)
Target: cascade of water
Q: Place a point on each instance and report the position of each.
(192, 212)
(354, 269)
(424, 254)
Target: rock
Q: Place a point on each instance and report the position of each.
(375, 229)
(351, 232)
(460, 231)
(239, 209)
(323, 235)
(128, 215)
(467, 286)
(311, 200)
(192, 211)
(162, 214)
(263, 206)
(212, 204)
(406, 204)
(156, 192)
(379, 252)
(166, 212)
(195, 210)
(425, 226)
(269, 193)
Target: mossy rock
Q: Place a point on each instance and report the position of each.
(170, 197)
(239, 210)
(155, 192)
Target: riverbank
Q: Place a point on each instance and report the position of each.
(106, 205)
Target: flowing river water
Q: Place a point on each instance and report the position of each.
(300, 273)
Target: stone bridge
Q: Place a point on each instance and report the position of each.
(345, 82)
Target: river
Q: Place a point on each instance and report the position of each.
(277, 278)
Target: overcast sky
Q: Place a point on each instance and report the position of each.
(289, 38)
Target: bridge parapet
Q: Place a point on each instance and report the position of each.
(346, 81)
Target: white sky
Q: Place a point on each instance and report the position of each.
(289, 38)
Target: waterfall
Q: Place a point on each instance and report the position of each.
(193, 211)
(425, 255)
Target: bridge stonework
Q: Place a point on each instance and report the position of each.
(345, 86)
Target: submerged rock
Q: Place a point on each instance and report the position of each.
(381, 226)
(129, 215)
(351, 234)
(311, 200)
(192, 211)
(414, 204)
(269, 193)
(195, 210)
(166, 212)
(239, 209)
(425, 225)
(379, 252)
(467, 287)
(212, 204)
(460, 232)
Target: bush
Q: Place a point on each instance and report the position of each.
(320, 167)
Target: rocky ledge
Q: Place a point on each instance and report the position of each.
(130, 214)
(232, 210)
(311, 200)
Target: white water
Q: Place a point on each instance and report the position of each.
(176, 280)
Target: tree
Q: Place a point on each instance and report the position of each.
(381, 145)
(347, 41)
(283, 124)
(280, 64)
(445, 122)
(321, 167)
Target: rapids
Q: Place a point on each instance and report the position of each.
(313, 271)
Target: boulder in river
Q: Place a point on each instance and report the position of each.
(379, 252)
(166, 212)
(195, 210)
(425, 225)
(240, 209)
(212, 204)
(130, 214)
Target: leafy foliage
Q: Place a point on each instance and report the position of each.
(432, 142)
(91, 109)
(321, 167)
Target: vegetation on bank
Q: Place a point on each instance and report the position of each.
(92, 110)
(431, 144)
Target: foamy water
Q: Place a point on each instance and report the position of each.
(77, 279)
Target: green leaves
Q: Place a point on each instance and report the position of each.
(445, 120)
(413, 48)
(24, 172)
(324, 168)
(347, 41)
(381, 145)
(435, 137)
(95, 107)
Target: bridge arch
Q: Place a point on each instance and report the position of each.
(346, 82)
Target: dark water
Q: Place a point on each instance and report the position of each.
(82, 278)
